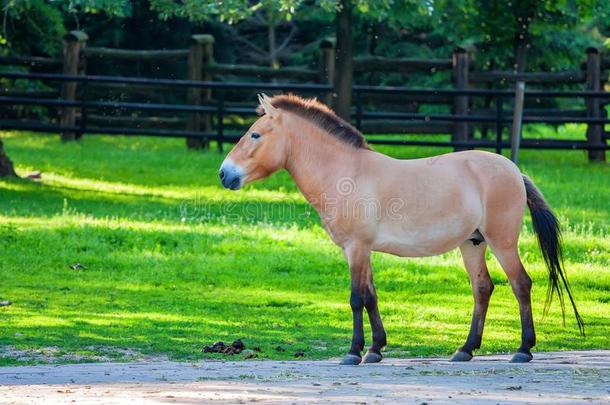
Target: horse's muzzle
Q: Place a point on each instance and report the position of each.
(230, 176)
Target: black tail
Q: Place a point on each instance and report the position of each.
(548, 231)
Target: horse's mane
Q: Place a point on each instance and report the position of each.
(319, 114)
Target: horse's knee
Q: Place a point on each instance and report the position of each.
(486, 287)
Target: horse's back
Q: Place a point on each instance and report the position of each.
(491, 175)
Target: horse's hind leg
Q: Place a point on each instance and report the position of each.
(521, 285)
(482, 287)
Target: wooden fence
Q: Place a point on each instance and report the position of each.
(220, 111)
(201, 66)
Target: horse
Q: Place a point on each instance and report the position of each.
(368, 202)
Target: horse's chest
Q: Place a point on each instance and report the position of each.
(344, 229)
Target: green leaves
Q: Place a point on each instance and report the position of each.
(233, 11)
(37, 26)
(230, 11)
(33, 24)
(557, 31)
(118, 8)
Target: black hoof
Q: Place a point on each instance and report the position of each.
(372, 357)
(351, 360)
(521, 357)
(461, 356)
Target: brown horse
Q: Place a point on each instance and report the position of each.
(411, 208)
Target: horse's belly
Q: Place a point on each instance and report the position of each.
(406, 249)
(417, 248)
(411, 239)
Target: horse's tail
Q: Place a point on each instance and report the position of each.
(548, 232)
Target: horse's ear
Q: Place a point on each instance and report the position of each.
(266, 105)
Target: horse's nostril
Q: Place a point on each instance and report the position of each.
(222, 174)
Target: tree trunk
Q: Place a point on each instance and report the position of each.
(373, 36)
(523, 12)
(273, 62)
(6, 166)
(342, 97)
(520, 51)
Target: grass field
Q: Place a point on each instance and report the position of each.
(173, 262)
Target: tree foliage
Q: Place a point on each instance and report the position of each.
(38, 26)
(555, 32)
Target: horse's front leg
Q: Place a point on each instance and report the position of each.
(363, 295)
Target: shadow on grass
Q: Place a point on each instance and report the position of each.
(26, 198)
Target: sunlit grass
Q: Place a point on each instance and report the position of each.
(173, 262)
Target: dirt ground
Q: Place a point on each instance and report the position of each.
(558, 378)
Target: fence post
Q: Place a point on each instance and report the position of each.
(200, 54)
(74, 42)
(207, 42)
(220, 134)
(499, 119)
(485, 127)
(326, 65)
(515, 138)
(460, 104)
(594, 131)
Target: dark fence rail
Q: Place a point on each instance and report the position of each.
(134, 55)
(196, 63)
(31, 61)
(399, 65)
(567, 77)
(214, 85)
(218, 110)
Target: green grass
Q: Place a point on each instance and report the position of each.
(174, 262)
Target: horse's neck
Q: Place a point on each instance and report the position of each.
(317, 165)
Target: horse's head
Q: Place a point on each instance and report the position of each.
(259, 153)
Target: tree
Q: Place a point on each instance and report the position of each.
(6, 166)
(344, 69)
(270, 14)
(342, 11)
(280, 32)
(504, 32)
(36, 27)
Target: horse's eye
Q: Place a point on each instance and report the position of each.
(255, 135)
